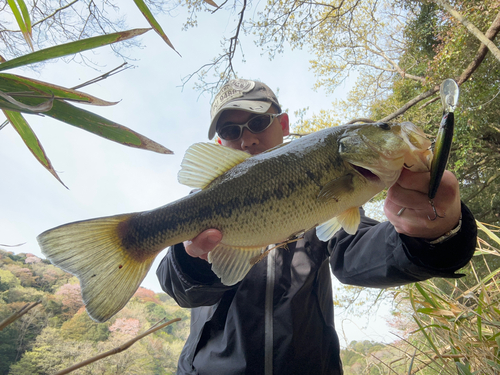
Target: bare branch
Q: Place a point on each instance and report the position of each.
(114, 71)
(55, 12)
(118, 349)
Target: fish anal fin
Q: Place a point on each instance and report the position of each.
(231, 264)
(326, 230)
(350, 219)
(204, 162)
(337, 188)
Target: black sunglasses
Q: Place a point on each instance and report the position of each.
(257, 124)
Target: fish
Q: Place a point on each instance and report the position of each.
(317, 181)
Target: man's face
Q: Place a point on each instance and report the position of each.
(250, 142)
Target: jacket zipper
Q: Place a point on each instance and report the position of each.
(268, 314)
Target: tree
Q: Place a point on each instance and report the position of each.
(58, 333)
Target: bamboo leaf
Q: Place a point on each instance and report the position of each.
(493, 364)
(13, 83)
(26, 16)
(31, 140)
(427, 337)
(425, 295)
(71, 48)
(490, 234)
(11, 104)
(24, 26)
(103, 127)
(152, 21)
(463, 369)
(438, 312)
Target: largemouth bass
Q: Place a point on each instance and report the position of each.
(319, 181)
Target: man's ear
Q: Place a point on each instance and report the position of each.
(285, 125)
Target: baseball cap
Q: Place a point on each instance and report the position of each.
(243, 94)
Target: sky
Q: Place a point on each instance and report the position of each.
(105, 178)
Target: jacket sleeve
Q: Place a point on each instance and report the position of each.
(189, 281)
(377, 256)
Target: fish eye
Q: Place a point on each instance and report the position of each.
(342, 146)
(384, 126)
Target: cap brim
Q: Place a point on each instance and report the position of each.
(252, 106)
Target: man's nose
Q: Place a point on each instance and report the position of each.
(248, 139)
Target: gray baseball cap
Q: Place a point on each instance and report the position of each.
(243, 94)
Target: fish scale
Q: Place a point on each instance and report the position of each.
(319, 180)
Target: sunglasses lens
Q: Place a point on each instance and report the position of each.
(230, 132)
(256, 125)
(259, 124)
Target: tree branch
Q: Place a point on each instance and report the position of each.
(478, 59)
(473, 29)
(54, 13)
(118, 349)
(18, 314)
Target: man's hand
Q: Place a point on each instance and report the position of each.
(202, 244)
(410, 191)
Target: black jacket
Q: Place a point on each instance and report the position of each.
(280, 316)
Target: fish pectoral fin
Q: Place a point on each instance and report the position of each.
(350, 219)
(204, 162)
(337, 188)
(92, 250)
(326, 230)
(231, 264)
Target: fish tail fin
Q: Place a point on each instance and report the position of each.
(93, 251)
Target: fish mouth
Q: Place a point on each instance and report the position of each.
(366, 173)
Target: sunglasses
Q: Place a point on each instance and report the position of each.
(257, 124)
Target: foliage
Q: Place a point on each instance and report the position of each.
(82, 26)
(368, 357)
(456, 324)
(58, 333)
(438, 48)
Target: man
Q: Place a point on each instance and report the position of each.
(279, 318)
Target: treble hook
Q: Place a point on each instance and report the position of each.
(431, 201)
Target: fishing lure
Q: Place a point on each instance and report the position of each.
(449, 99)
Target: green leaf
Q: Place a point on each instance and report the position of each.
(103, 127)
(463, 369)
(152, 21)
(24, 24)
(428, 299)
(71, 48)
(493, 364)
(9, 103)
(490, 234)
(427, 337)
(26, 15)
(11, 83)
(30, 139)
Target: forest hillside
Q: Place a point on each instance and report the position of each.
(58, 332)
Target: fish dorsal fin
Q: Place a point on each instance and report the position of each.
(335, 189)
(204, 162)
(349, 219)
(326, 230)
(232, 264)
